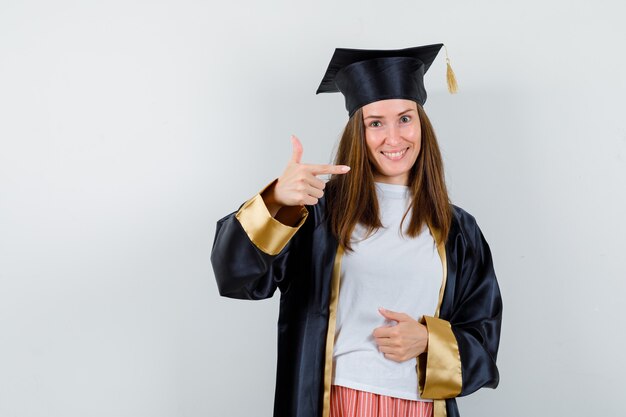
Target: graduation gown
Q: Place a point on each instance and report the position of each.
(254, 254)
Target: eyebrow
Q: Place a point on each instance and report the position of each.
(382, 117)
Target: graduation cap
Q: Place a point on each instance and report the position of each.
(364, 76)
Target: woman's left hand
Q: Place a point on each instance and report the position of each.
(406, 340)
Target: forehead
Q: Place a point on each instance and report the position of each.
(392, 106)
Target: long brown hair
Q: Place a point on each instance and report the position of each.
(351, 198)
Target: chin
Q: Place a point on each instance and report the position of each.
(394, 172)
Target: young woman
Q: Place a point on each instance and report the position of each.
(389, 300)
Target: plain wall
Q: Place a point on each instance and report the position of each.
(128, 128)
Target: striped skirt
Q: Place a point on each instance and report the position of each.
(348, 402)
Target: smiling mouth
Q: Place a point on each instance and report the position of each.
(394, 156)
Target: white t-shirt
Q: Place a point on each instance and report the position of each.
(386, 270)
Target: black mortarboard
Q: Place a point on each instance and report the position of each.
(366, 75)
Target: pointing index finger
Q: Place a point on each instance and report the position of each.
(329, 169)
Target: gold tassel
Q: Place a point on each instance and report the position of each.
(452, 85)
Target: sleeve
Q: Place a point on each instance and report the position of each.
(461, 356)
(250, 251)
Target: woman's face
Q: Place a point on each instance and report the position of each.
(393, 136)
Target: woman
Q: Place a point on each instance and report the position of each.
(378, 272)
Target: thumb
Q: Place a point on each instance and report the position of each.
(296, 156)
(392, 315)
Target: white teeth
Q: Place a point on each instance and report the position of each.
(394, 154)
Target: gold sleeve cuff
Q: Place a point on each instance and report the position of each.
(267, 233)
(439, 369)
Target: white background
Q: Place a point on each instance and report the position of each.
(129, 128)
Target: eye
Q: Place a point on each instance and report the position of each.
(375, 123)
(405, 119)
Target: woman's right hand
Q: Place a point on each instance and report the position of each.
(298, 185)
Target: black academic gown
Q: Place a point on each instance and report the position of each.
(253, 255)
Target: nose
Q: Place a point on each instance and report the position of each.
(393, 135)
